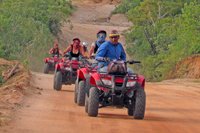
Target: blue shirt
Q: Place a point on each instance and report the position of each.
(112, 51)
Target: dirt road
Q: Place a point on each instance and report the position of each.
(172, 106)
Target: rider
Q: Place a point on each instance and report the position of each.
(85, 49)
(75, 49)
(55, 50)
(112, 49)
(101, 36)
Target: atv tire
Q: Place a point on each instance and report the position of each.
(76, 91)
(46, 68)
(93, 102)
(81, 93)
(86, 103)
(58, 81)
(140, 103)
(87, 85)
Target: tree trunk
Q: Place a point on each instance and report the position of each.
(152, 45)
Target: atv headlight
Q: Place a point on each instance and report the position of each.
(106, 82)
(131, 84)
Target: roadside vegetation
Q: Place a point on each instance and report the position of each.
(3, 68)
(163, 33)
(28, 27)
(1, 80)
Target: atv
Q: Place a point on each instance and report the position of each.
(82, 84)
(50, 63)
(116, 87)
(66, 71)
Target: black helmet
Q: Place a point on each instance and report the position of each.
(76, 39)
(102, 31)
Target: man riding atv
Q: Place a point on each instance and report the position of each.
(101, 36)
(111, 49)
(113, 84)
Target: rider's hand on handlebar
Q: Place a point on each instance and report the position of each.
(106, 59)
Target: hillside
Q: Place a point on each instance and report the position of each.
(187, 68)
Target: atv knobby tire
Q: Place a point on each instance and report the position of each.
(46, 68)
(58, 81)
(93, 102)
(140, 103)
(76, 91)
(81, 93)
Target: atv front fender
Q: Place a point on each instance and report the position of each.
(59, 66)
(95, 79)
(46, 60)
(141, 80)
(82, 74)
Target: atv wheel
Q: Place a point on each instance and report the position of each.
(58, 81)
(46, 68)
(140, 103)
(93, 103)
(86, 103)
(81, 93)
(87, 85)
(75, 91)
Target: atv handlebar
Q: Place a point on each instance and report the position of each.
(133, 62)
(103, 59)
(106, 59)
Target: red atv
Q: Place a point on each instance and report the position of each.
(50, 63)
(82, 84)
(66, 72)
(117, 87)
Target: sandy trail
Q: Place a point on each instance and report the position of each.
(172, 106)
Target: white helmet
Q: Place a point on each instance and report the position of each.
(85, 44)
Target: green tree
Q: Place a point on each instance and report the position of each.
(164, 32)
(27, 27)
